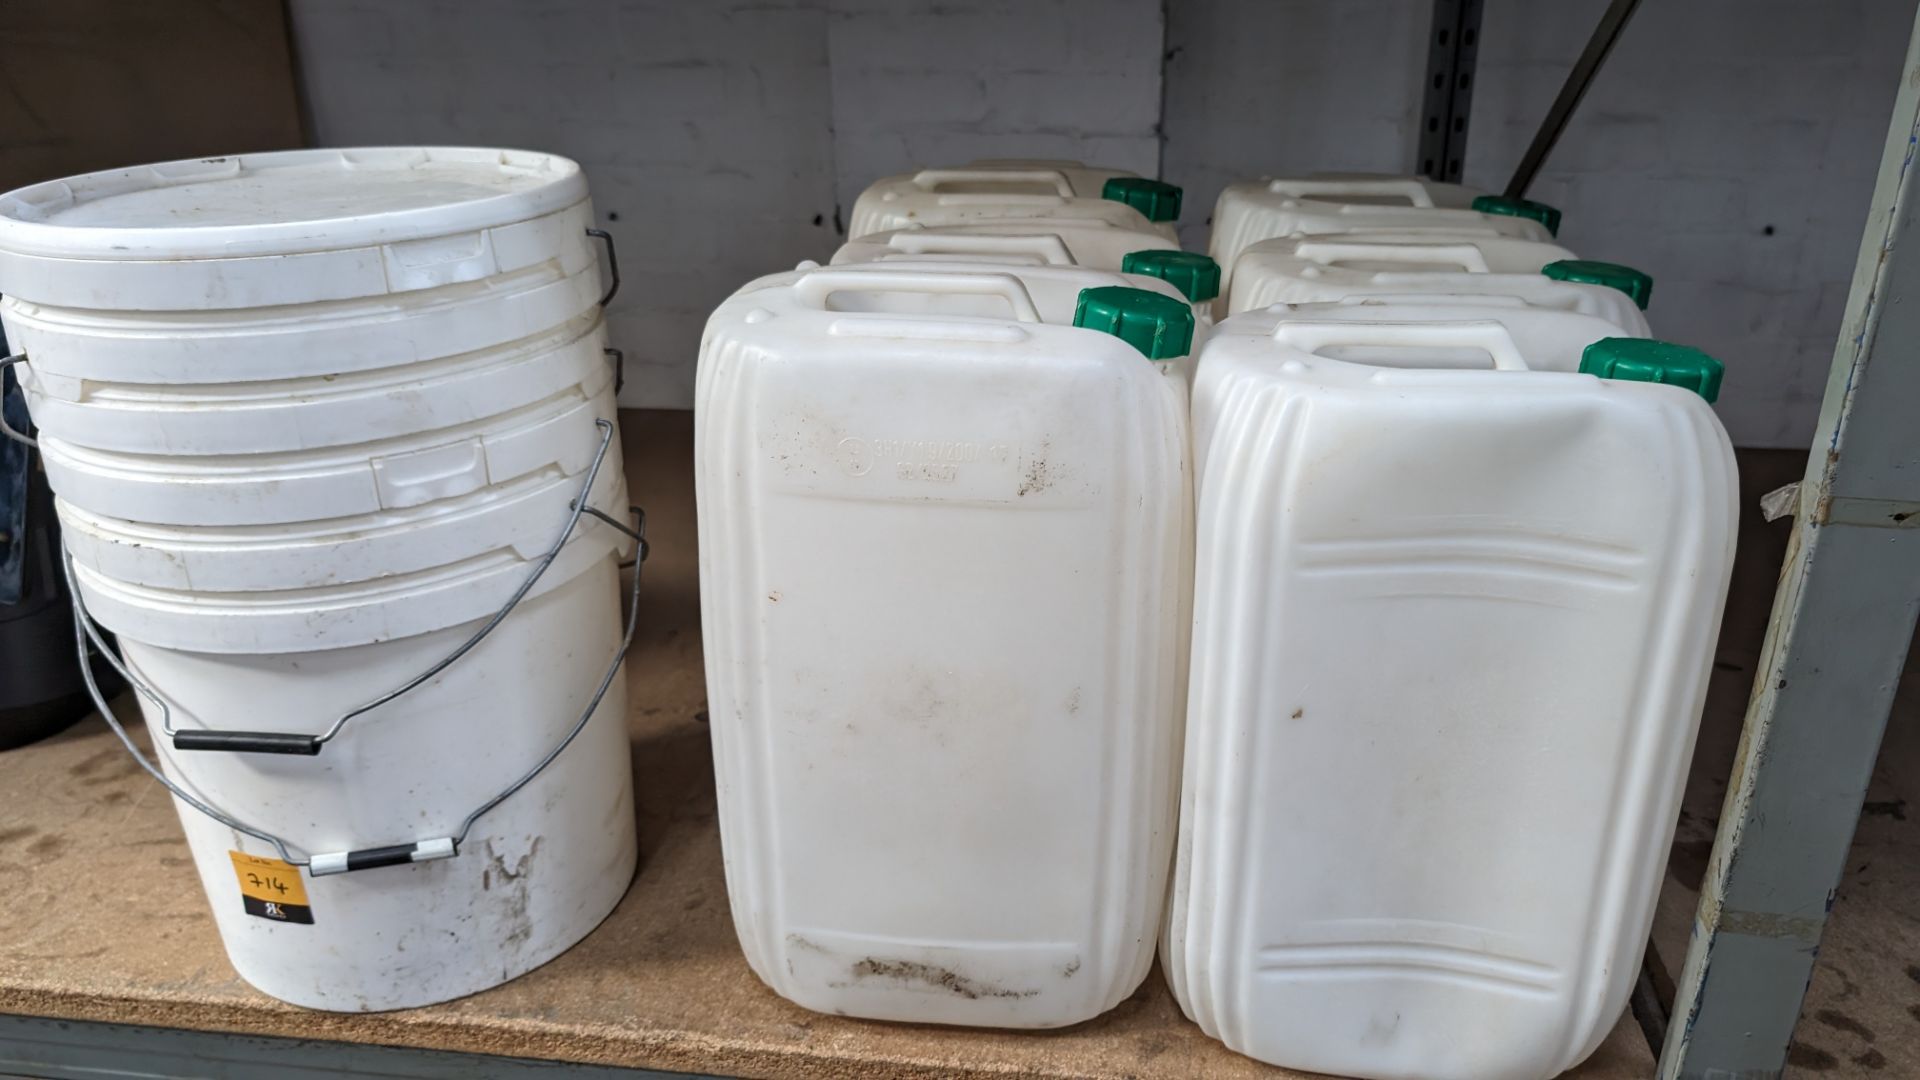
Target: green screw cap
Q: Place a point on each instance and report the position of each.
(1526, 208)
(1159, 326)
(1195, 275)
(1641, 360)
(1157, 199)
(1612, 275)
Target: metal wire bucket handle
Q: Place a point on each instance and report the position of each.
(613, 265)
(321, 863)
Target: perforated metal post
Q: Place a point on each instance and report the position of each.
(1842, 622)
(1453, 43)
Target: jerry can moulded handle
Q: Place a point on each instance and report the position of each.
(931, 179)
(1413, 191)
(1464, 254)
(1490, 336)
(1047, 246)
(815, 288)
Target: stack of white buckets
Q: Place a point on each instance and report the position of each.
(319, 423)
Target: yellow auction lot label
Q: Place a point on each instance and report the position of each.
(271, 889)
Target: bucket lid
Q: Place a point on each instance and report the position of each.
(1159, 326)
(341, 616)
(521, 516)
(1195, 275)
(1613, 275)
(300, 414)
(336, 481)
(293, 228)
(1645, 360)
(75, 349)
(1526, 208)
(1157, 199)
(282, 203)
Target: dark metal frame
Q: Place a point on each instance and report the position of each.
(85, 1050)
(1612, 22)
(1843, 619)
(1453, 44)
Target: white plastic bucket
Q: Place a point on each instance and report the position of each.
(73, 346)
(1249, 213)
(940, 573)
(321, 411)
(1051, 241)
(1310, 269)
(332, 616)
(1452, 634)
(534, 875)
(335, 482)
(490, 812)
(290, 227)
(325, 427)
(517, 517)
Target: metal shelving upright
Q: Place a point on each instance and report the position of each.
(1842, 624)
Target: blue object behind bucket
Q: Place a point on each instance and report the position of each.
(13, 488)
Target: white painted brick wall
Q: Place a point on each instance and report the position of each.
(1713, 122)
(1288, 87)
(704, 129)
(719, 131)
(922, 83)
(710, 131)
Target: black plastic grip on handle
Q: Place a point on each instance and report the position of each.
(368, 858)
(248, 742)
(613, 264)
(619, 369)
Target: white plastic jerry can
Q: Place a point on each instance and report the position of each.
(1055, 291)
(940, 570)
(1551, 339)
(1310, 269)
(1084, 241)
(1087, 180)
(1249, 213)
(1055, 288)
(1413, 252)
(1452, 634)
(1387, 190)
(996, 192)
(1380, 189)
(1053, 278)
(1018, 175)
